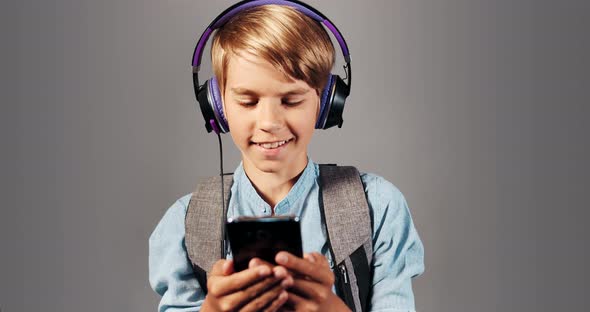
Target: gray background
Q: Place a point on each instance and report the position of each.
(476, 110)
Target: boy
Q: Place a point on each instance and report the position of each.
(271, 78)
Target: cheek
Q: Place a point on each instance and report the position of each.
(233, 116)
(305, 123)
(235, 123)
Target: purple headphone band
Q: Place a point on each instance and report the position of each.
(243, 5)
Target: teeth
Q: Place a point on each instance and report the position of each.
(273, 144)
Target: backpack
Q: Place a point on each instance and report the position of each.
(343, 206)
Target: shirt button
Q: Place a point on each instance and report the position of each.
(330, 262)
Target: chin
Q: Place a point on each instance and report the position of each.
(268, 166)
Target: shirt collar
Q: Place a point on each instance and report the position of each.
(247, 193)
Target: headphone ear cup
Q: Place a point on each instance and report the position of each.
(206, 109)
(217, 104)
(209, 100)
(324, 102)
(335, 106)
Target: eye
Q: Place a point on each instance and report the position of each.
(292, 103)
(248, 103)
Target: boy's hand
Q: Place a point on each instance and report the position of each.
(254, 289)
(312, 287)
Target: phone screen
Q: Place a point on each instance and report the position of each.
(263, 237)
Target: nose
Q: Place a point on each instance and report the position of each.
(270, 116)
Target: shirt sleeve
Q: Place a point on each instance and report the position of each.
(170, 271)
(398, 253)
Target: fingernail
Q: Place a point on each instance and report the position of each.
(263, 270)
(310, 258)
(283, 295)
(282, 258)
(253, 263)
(287, 282)
(278, 272)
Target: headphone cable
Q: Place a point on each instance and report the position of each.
(223, 212)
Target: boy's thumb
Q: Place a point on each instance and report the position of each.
(228, 267)
(222, 267)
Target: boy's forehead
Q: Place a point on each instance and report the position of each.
(251, 74)
(239, 63)
(246, 91)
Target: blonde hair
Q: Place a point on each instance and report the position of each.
(297, 45)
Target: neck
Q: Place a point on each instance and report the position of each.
(273, 186)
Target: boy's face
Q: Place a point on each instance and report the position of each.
(271, 117)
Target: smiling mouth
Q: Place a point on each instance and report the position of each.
(273, 145)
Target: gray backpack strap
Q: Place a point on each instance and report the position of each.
(348, 222)
(203, 224)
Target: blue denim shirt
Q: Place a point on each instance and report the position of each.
(398, 253)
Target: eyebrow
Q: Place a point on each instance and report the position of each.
(244, 91)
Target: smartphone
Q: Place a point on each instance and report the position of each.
(263, 238)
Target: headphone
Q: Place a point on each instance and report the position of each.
(209, 97)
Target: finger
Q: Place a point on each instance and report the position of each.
(242, 297)
(219, 267)
(304, 267)
(278, 302)
(297, 302)
(228, 267)
(254, 262)
(278, 270)
(288, 305)
(319, 258)
(282, 272)
(264, 299)
(310, 290)
(223, 285)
